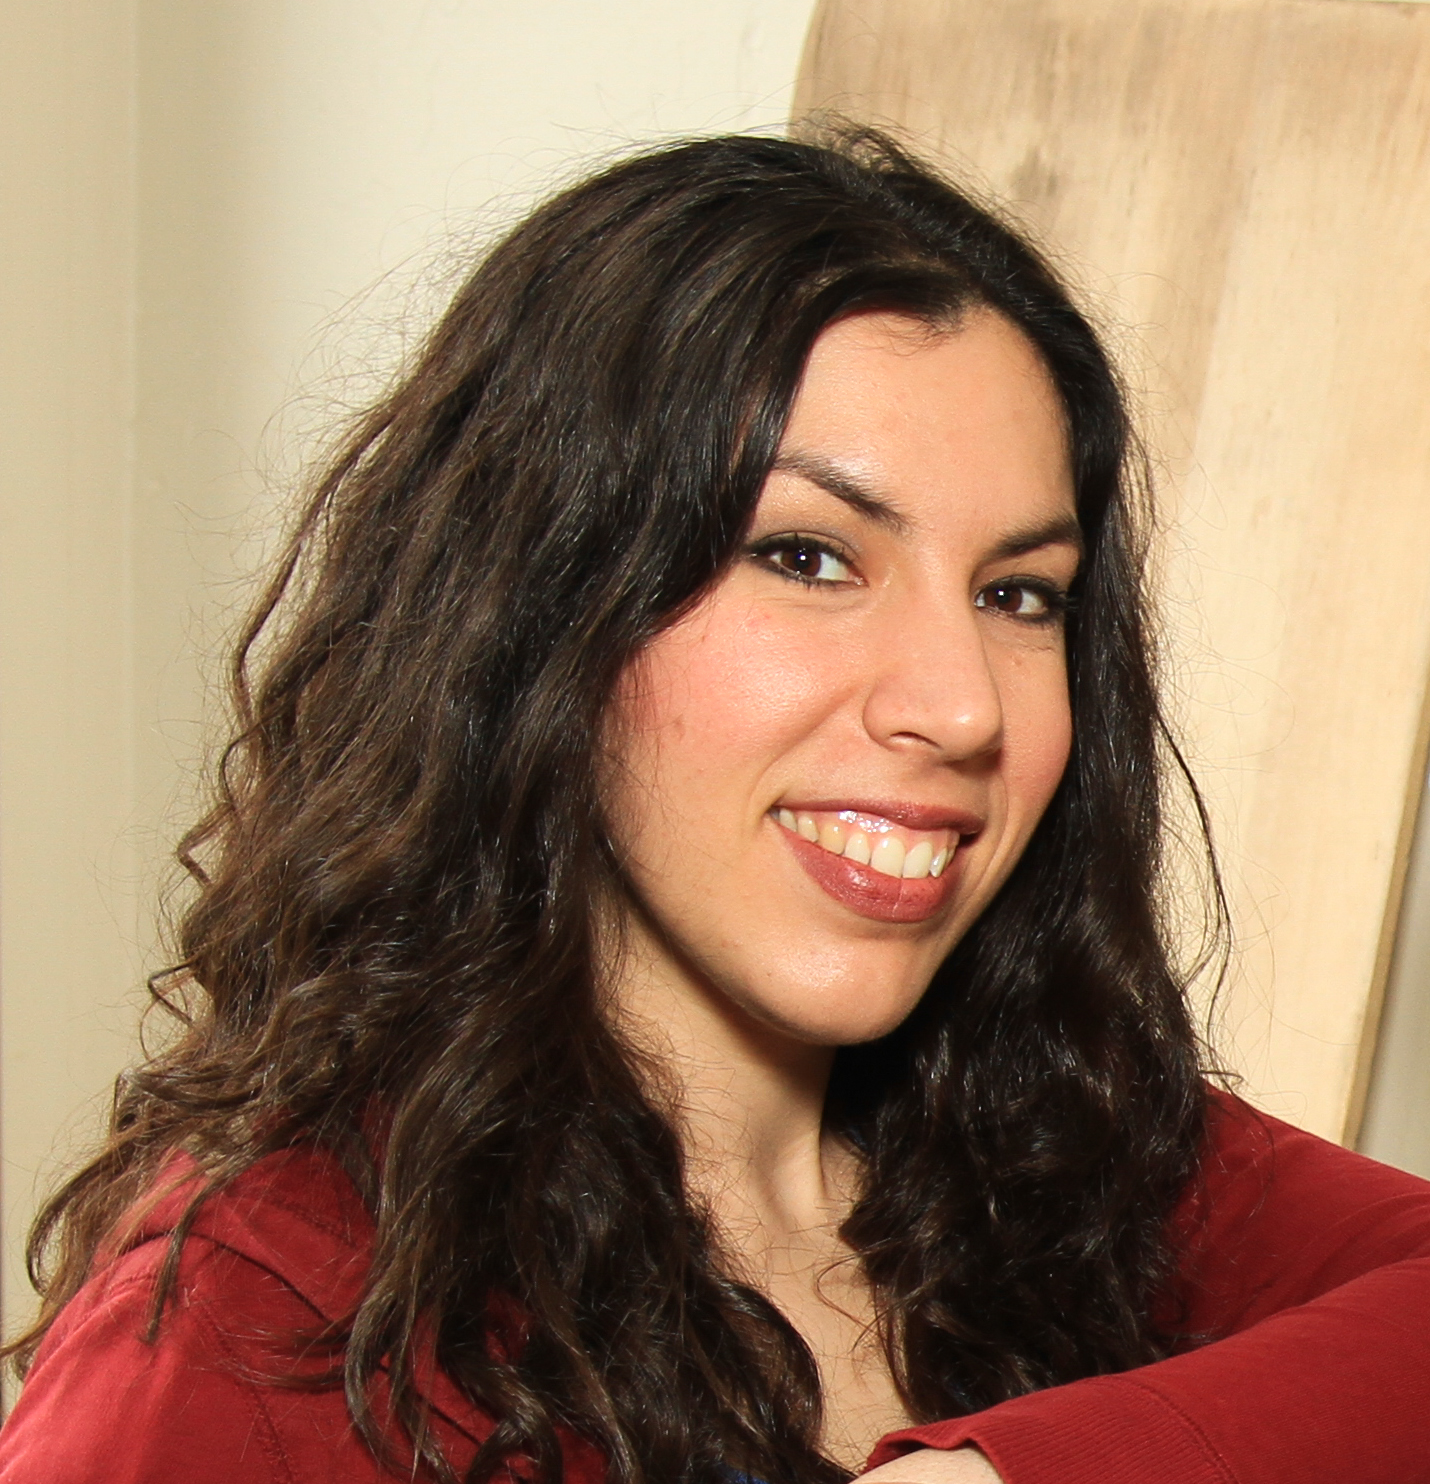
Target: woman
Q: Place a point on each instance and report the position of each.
(676, 988)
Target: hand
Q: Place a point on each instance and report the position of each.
(935, 1466)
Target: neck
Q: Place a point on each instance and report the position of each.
(748, 1099)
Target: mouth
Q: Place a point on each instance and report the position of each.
(886, 868)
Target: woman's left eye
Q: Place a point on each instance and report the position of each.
(804, 560)
(1033, 602)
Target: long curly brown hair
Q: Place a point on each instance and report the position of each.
(396, 887)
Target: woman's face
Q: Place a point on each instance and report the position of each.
(821, 775)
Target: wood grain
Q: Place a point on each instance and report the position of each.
(1244, 185)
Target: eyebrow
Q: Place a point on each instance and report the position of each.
(1063, 530)
(834, 481)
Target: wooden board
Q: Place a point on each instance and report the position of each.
(1245, 184)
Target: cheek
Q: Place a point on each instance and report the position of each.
(704, 714)
(1039, 739)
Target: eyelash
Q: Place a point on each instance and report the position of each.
(1057, 602)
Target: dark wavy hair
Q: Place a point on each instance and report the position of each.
(397, 886)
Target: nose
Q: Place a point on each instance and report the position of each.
(934, 689)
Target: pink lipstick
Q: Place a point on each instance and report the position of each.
(896, 866)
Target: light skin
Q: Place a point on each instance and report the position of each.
(889, 640)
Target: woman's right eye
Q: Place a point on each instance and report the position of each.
(804, 560)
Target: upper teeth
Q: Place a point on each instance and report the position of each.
(873, 842)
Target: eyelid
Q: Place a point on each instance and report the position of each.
(1054, 586)
(798, 537)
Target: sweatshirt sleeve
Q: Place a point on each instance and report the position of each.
(1306, 1278)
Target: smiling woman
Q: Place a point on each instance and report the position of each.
(877, 684)
(675, 988)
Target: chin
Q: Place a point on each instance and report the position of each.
(817, 1019)
(818, 991)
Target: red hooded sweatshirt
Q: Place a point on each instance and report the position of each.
(1314, 1264)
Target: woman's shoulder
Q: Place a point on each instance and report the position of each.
(1259, 1171)
(200, 1390)
(294, 1214)
(1277, 1216)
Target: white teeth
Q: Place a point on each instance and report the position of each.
(886, 853)
(888, 857)
(856, 848)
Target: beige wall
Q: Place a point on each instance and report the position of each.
(195, 192)
(69, 743)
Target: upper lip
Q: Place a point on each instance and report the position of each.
(902, 811)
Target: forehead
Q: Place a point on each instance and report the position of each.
(964, 420)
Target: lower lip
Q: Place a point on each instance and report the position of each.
(870, 893)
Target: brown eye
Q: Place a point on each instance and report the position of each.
(805, 561)
(1030, 601)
